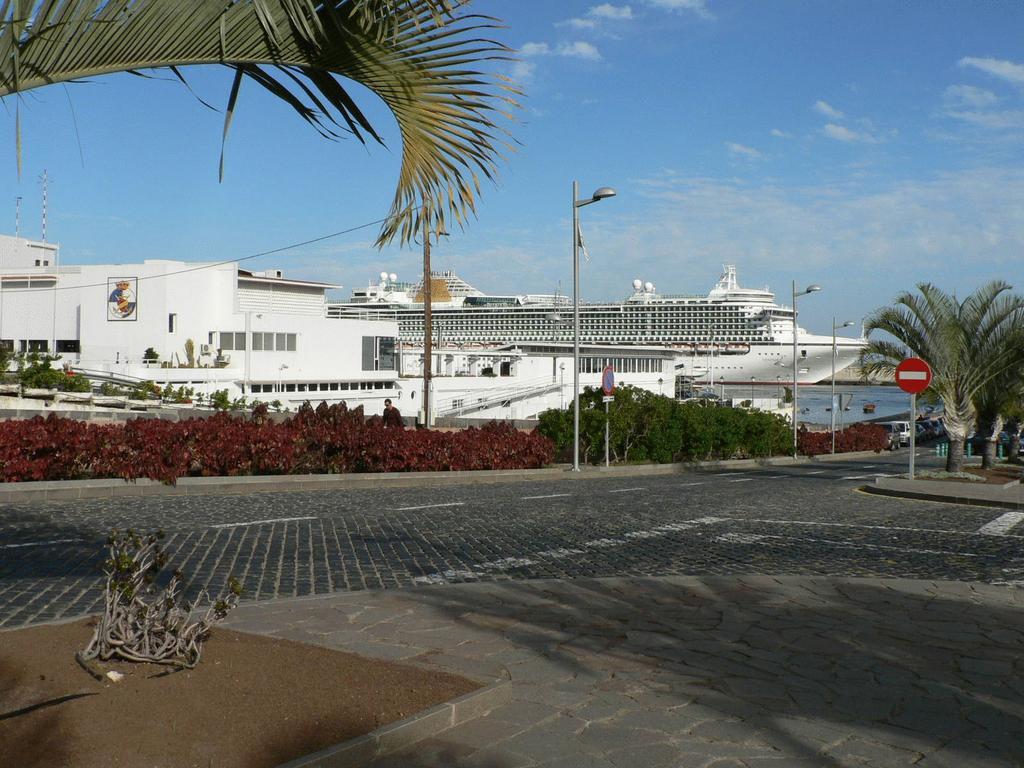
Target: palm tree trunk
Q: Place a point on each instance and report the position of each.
(956, 421)
(955, 458)
(988, 458)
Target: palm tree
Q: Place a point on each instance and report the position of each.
(998, 401)
(968, 344)
(421, 57)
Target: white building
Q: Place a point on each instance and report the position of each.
(256, 334)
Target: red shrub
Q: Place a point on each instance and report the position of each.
(330, 439)
(856, 437)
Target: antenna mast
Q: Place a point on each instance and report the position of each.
(45, 179)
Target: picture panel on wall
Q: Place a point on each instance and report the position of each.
(122, 298)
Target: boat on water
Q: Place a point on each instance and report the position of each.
(731, 335)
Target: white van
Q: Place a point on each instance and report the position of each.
(899, 433)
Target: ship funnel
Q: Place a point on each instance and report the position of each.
(648, 286)
(638, 284)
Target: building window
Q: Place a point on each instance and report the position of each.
(292, 346)
(7, 345)
(240, 341)
(257, 342)
(227, 341)
(172, 322)
(38, 345)
(378, 353)
(282, 344)
(69, 345)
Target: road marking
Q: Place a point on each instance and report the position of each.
(39, 543)
(430, 506)
(1002, 524)
(687, 485)
(624, 490)
(549, 496)
(774, 477)
(816, 472)
(261, 522)
(741, 480)
(766, 539)
(479, 570)
(855, 525)
(857, 477)
(730, 474)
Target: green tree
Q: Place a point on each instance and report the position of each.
(968, 345)
(422, 58)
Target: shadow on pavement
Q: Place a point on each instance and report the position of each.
(825, 671)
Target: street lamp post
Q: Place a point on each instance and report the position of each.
(808, 289)
(600, 194)
(835, 327)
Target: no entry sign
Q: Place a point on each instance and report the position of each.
(913, 375)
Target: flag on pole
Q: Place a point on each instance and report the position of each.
(580, 243)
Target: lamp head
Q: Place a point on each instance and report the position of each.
(813, 288)
(602, 192)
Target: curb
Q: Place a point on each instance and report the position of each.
(404, 733)
(972, 501)
(73, 490)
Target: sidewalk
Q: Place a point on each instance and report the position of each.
(1009, 496)
(730, 672)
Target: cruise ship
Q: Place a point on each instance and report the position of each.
(731, 335)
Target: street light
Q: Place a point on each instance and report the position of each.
(600, 194)
(835, 327)
(809, 289)
(279, 376)
(561, 386)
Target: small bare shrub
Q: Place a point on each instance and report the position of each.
(160, 630)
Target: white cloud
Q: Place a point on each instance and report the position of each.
(577, 23)
(741, 150)
(994, 120)
(523, 70)
(886, 237)
(842, 133)
(781, 134)
(534, 49)
(968, 96)
(579, 50)
(1007, 70)
(827, 110)
(609, 11)
(699, 7)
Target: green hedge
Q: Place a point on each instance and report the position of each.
(649, 427)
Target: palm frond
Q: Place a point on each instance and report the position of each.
(426, 59)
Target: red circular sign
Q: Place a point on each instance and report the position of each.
(608, 380)
(913, 375)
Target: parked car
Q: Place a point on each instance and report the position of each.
(898, 431)
(977, 442)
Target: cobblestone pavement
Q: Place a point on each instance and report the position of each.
(700, 672)
(804, 519)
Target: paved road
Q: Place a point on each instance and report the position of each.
(806, 519)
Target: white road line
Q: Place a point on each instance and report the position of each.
(856, 525)
(1001, 525)
(549, 496)
(261, 522)
(430, 506)
(816, 472)
(857, 477)
(624, 490)
(730, 474)
(765, 539)
(741, 480)
(774, 477)
(687, 485)
(39, 543)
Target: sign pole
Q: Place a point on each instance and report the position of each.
(606, 432)
(913, 431)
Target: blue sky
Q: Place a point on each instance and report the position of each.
(864, 146)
